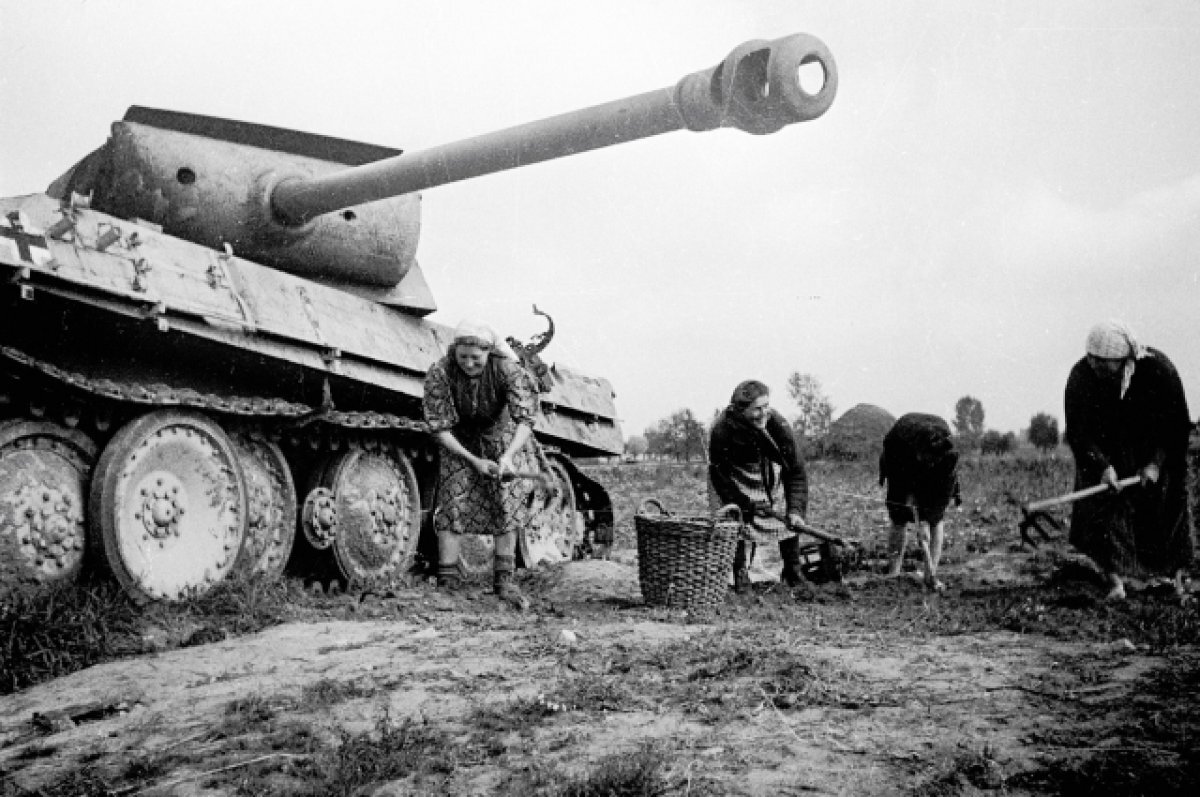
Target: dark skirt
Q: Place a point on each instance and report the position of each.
(1139, 532)
(929, 501)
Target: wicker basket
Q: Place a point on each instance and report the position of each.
(684, 561)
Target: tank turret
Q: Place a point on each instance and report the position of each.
(286, 199)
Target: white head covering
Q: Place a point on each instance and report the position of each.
(476, 332)
(1114, 340)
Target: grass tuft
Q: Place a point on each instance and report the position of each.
(651, 771)
(66, 628)
(63, 629)
(328, 692)
(394, 751)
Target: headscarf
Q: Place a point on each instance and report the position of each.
(473, 332)
(1114, 340)
(747, 393)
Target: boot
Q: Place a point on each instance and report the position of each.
(833, 563)
(449, 578)
(789, 551)
(503, 584)
(449, 575)
(742, 584)
(742, 555)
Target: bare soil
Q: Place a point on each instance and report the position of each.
(1017, 680)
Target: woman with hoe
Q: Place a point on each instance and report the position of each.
(480, 406)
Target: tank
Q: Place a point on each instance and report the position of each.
(215, 342)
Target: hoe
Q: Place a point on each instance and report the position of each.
(1033, 515)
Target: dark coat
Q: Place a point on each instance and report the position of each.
(920, 468)
(1141, 530)
(736, 445)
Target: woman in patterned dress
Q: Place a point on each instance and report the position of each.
(753, 462)
(480, 406)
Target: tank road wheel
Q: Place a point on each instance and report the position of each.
(377, 506)
(319, 519)
(271, 523)
(170, 500)
(44, 471)
(556, 528)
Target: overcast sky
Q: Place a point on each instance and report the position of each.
(991, 180)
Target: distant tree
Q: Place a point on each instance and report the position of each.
(816, 410)
(694, 435)
(636, 446)
(655, 442)
(992, 442)
(1043, 432)
(679, 436)
(968, 422)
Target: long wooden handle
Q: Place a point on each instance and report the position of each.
(1068, 498)
(809, 530)
(820, 535)
(515, 475)
(543, 480)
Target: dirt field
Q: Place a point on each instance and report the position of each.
(1017, 680)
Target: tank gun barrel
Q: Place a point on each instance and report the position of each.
(757, 88)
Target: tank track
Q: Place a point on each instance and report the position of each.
(294, 414)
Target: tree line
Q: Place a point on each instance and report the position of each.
(682, 436)
(970, 434)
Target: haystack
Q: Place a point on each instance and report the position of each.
(858, 433)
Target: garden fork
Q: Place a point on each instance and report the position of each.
(1034, 514)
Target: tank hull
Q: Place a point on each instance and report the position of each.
(110, 320)
(173, 304)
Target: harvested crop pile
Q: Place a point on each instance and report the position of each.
(859, 433)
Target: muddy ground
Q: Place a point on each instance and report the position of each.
(1018, 679)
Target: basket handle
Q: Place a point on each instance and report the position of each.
(641, 510)
(725, 510)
